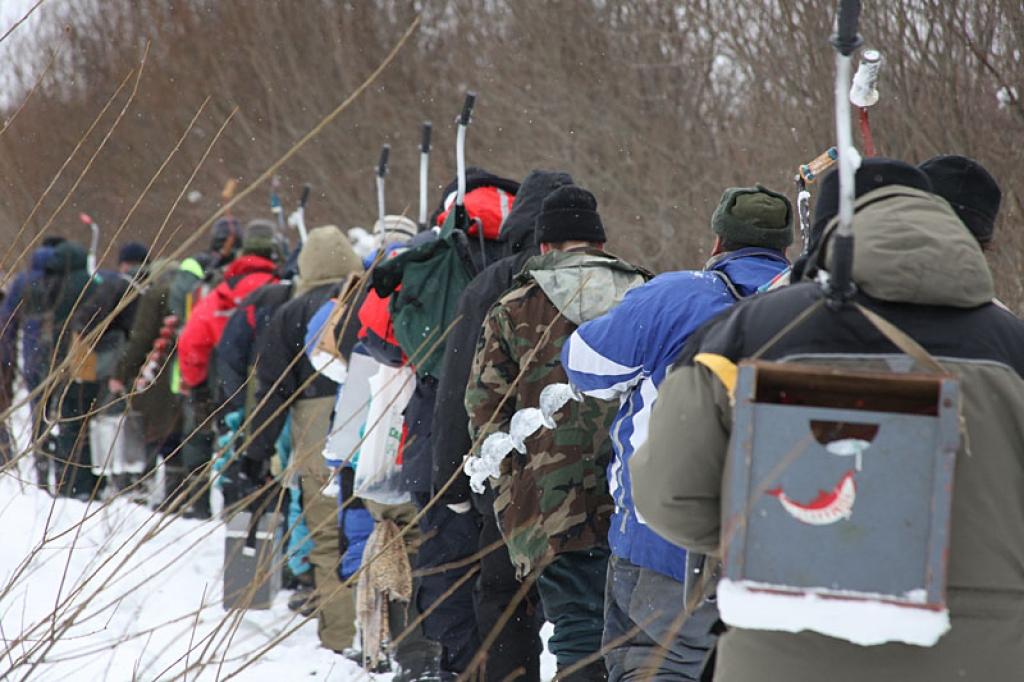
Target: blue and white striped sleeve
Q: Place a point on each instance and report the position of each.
(603, 357)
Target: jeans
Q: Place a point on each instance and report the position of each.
(665, 647)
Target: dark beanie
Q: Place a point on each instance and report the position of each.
(970, 190)
(223, 230)
(569, 214)
(873, 173)
(754, 216)
(132, 252)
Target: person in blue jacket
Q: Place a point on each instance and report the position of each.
(625, 355)
(35, 347)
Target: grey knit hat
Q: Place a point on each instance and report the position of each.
(754, 216)
(259, 239)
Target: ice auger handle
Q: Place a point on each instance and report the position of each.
(425, 139)
(846, 38)
(812, 170)
(863, 92)
(467, 109)
(382, 165)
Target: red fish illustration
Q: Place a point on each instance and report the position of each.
(827, 508)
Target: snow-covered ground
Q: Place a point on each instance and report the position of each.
(113, 591)
(142, 608)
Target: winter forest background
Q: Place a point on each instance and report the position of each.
(655, 105)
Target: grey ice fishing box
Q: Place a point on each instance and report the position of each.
(252, 561)
(837, 497)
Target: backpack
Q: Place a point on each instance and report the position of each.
(424, 285)
(837, 495)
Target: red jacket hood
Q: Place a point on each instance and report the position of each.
(244, 265)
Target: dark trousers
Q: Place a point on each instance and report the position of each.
(448, 538)
(73, 459)
(665, 647)
(518, 645)
(43, 449)
(572, 591)
(184, 468)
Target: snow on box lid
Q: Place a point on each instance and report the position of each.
(837, 502)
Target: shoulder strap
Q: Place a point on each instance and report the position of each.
(894, 334)
(902, 341)
(733, 291)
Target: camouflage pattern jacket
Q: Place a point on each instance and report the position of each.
(555, 497)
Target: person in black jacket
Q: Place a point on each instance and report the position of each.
(916, 267)
(288, 382)
(518, 645)
(108, 291)
(244, 333)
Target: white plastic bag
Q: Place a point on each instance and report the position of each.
(351, 410)
(378, 471)
(117, 443)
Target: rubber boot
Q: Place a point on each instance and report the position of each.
(417, 657)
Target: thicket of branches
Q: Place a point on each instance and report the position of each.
(655, 105)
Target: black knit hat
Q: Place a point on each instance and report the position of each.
(569, 214)
(754, 216)
(970, 189)
(873, 173)
(132, 252)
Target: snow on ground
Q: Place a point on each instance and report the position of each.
(139, 604)
(137, 597)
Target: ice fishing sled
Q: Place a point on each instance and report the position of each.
(252, 560)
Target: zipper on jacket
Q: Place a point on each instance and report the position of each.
(621, 455)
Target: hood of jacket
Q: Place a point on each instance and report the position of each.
(248, 264)
(910, 247)
(327, 256)
(517, 232)
(67, 257)
(582, 284)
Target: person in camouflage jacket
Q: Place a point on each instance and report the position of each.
(552, 503)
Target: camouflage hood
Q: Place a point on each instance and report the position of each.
(582, 284)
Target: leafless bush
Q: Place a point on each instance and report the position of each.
(656, 105)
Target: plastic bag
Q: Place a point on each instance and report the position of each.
(117, 444)
(379, 470)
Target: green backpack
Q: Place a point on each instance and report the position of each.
(424, 284)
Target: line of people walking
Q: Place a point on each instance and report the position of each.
(444, 495)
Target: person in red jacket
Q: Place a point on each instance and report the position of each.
(254, 268)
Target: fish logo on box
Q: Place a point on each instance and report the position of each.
(830, 506)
